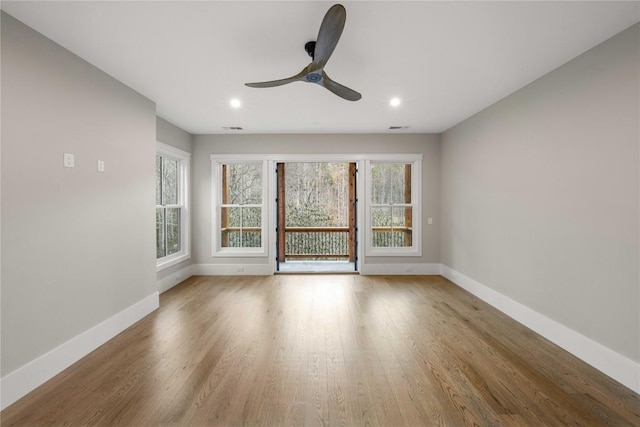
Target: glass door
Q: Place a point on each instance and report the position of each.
(316, 217)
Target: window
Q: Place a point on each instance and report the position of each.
(393, 212)
(172, 215)
(239, 207)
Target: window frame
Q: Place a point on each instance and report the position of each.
(184, 173)
(416, 208)
(217, 250)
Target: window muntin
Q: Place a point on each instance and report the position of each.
(172, 238)
(240, 195)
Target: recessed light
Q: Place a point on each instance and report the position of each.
(394, 102)
(235, 103)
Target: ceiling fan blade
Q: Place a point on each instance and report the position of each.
(329, 34)
(274, 83)
(340, 90)
(321, 50)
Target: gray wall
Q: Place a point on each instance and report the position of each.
(205, 145)
(77, 245)
(170, 134)
(540, 195)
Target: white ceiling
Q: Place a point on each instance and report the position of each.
(445, 60)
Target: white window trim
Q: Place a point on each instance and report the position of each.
(185, 187)
(416, 203)
(216, 197)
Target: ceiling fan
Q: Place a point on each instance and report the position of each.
(320, 51)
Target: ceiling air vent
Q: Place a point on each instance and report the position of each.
(398, 127)
(232, 128)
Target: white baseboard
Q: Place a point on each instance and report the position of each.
(618, 367)
(173, 279)
(267, 270)
(232, 269)
(400, 269)
(25, 379)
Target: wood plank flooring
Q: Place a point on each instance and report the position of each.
(329, 350)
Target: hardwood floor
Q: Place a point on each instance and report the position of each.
(327, 350)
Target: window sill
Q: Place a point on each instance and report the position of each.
(233, 253)
(170, 261)
(388, 252)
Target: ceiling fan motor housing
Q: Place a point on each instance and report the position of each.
(310, 47)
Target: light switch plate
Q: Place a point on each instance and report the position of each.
(69, 160)
(100, 165)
